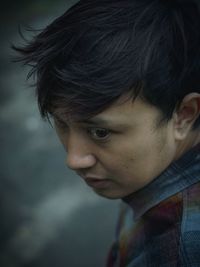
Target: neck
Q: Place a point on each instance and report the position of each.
(191, 141)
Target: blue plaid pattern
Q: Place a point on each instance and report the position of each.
(160, 226)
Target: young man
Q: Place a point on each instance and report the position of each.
(121, 80)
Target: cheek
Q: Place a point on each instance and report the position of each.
(143, 158)
(123, 161)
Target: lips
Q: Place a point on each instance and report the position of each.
(97, 183)
(94, 181)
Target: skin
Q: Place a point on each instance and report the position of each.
(125, 145)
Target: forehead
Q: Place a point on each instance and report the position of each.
(128, 110)
(124, 111)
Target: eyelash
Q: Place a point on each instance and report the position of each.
(91, 132)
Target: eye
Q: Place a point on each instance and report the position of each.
(99, 134)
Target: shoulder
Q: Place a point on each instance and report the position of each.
(190, 227)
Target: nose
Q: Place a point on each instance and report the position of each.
(78, 162)
(79, 154)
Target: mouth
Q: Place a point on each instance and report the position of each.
(97, 183)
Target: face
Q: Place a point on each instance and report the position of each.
(120, 150)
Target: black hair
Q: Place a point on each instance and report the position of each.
(99, 50)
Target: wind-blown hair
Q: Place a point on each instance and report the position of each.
(100, 50)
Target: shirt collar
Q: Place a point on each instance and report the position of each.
(178, 176)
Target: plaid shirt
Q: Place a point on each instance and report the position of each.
(162, 227)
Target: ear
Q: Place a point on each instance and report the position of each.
(186, 115)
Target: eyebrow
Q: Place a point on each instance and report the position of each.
(96, 121)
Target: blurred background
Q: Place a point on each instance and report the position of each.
(48, 216)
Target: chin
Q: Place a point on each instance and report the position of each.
(109, 195)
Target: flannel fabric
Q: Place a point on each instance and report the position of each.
(159, 225)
